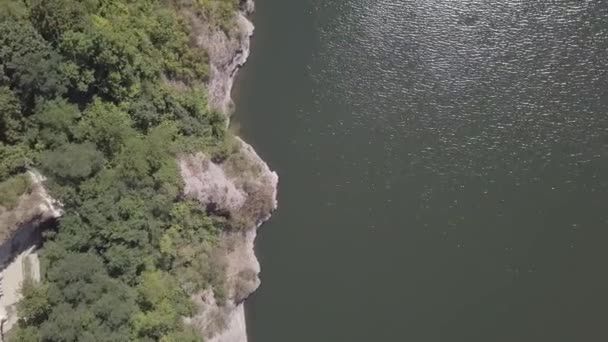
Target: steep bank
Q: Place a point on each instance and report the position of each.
(243, 186)
(121, 100)
(246, 188)
(227, 51)
(110, 144)
(20, 229)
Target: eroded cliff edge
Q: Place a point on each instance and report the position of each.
(20, 236)
(242, 186)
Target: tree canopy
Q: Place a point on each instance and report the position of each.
(101, 95)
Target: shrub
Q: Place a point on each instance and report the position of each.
(12, 188)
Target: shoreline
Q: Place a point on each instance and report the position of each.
(227, 55)
(251, 201)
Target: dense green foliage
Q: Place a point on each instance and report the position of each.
(101, 95)
(220, 11)
(12, 188)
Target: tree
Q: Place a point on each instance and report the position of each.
(12, 189)
(32, 67)
(13, 160)
(100, 96)
(123, 261)
(132, 164)
(77, 236)
(24, 333)
(115, 54)
(105, 125)
(188, 334)
(39, 75)
(12, 123)
(56, 120)
(52, 18)
(72, 162)
(18, 38)
(35, 307)
(162, 302)
(10, 9)
(87, 305)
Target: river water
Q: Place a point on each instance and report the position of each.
(444, 169)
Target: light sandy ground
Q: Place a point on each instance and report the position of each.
(226, 55)
(33, 208)
(50, 204)
(18, 246)
(12, 278)
(236, 330)
(226, 323)
(248, 196)
(207, 182)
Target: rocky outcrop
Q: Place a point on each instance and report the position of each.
(209, 184)
(34, 207)
(245, 188)
(227, 51)
(20, 235)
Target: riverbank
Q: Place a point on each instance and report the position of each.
(113, 120)
(441, 170)
(247, 187)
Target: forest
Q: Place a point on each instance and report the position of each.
(100, 96)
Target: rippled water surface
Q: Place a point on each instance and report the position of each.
(443, 169)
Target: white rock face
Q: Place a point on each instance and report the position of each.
(50, 205)
(18, 258)
(227, 53)
(236, 327)
(225, 323)
(208, 183)
(24, 265)
(243, 185)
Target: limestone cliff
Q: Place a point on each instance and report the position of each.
(20, 229)
(243, 186)
(227, 51)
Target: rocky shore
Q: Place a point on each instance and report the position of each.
(243, 185)
(227, 51)
(248, 192)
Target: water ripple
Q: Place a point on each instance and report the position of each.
(469, 86)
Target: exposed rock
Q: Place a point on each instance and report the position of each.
(236, 327)
(209, 184)
(243, 175)
(228, 51)
(23, 264)
(242, 187)
(20, 235)
(33, 208)
(248, 6)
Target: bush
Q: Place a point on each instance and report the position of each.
(12, 188)
(13, 160)
(72, 162)
(102, 96)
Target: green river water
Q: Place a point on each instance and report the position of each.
(443, 170)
